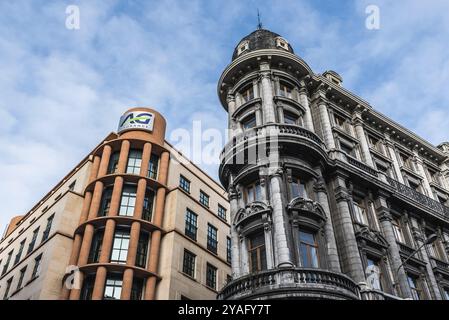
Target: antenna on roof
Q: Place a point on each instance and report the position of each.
(259, 23)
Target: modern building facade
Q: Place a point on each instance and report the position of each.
(329, 199)
(134, 220)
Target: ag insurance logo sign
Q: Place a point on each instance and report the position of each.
(136, 119)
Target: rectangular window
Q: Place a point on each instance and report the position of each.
(33, 240)
(221, 212)
(120, 247)
(204, 198)
(249, 122)
(247, 94)
(298, 188)
(113, 287)
(184, 183)
(253, 192)
(21, 277)
(19, 253)
(398, 234)
(446, 293)
(349, 150)
(191, 224)
(47, 228)
(142, 249)
(188, 265)
(406, 162)
(212, 238)
(113, 163)
(211, 276)
(128, 201)
(105, 202)
(37, 266)
(414, 287)
(257, 252)
(290, 118)
(8, 287)
(97, 243)
(148, 204)
(285, 90)
(308, 249)
(360, 214)
(8, 260)
(134, 161)
(137, 289)
(373, 274)
(153, 166)
(228, 249)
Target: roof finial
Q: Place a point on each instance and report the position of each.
(259, 23)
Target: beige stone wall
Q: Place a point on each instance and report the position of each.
(66, 207)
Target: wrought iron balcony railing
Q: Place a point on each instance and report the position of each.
(419, 197)
(301, 282)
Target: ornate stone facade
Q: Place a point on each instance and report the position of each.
(328, 197)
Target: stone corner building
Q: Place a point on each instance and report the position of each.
(328, 197)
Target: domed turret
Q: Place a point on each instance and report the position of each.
(261, 39)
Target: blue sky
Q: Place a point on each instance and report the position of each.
(62, 91)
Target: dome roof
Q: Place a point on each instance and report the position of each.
(260, 39)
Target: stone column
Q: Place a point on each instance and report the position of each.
(358, 124)
(351, 262)
(267, 94)
(259, 117)
(420, 167)
(233, 126)
(244, 255)
(332, 252)
(282, 252)
(390, 147)
(383, 213)
(304, 101)
(328, 136)
(235, 248)
(280, 112)
(419, 235)
(146, 155)
(153, 259)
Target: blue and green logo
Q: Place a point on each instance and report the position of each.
(137, 120)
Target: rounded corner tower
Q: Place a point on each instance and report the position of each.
(283, 244)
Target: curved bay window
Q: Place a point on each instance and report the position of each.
(128, 201)
(113, 163)
(120, 246)
(298, 188)
(253, 192)
(257, 252)
(105, 202)
(148, 204)
(308, 249)
(142, 250)
(134, 161)
(113, 287)
(95, 250)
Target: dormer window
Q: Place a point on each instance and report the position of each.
(282, 43)
(243, 46)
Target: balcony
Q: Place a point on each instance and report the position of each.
(253, 145)
(440, 266)
(419, 198)
(292, 283)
